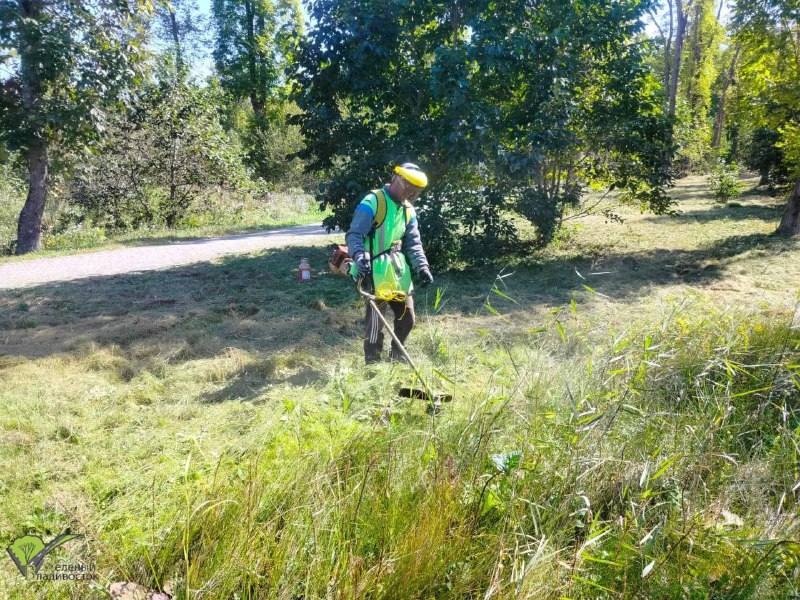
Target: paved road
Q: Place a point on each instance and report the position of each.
(149, 258)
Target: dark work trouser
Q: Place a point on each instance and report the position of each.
(403, 323)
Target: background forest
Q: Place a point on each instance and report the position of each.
(120, 117)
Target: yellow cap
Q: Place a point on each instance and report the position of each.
(412, 174)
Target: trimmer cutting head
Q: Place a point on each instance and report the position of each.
(409, 392)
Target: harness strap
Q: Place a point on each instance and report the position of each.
(381, 210)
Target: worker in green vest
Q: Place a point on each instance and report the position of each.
(385, 245)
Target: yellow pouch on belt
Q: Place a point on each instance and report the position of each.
(391, 276)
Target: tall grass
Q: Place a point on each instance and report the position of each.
(656, 462)
(212, 431)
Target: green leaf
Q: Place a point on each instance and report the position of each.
(750, 392)
(491, 501)
(437, 302)
(664, 466)
(504, 295)
(443, 376)
(430, 454)
(561, 331)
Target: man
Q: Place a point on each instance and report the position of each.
(383, 239)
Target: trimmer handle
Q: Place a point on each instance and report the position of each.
(361, 290)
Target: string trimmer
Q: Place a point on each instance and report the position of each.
(435, 400)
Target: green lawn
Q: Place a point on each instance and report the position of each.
(625, 423)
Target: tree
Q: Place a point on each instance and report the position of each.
(256, 44)
(770, 75)
(255, 41)
(179, 27)
(513, 109)
(157, 157)
(697, 76)
(680, 9)
(727, 77)
(68, 61)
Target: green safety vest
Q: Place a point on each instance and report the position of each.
(391, 274)
(389, 225)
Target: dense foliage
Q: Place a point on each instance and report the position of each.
(516, 111)
(254, 42)
(769, 83)
(769, 94)
(513, 110)
(255, 46)
(67, 63)
(700, 70)
(156, 159)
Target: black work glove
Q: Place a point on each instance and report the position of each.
(363, 263)
(425, 276)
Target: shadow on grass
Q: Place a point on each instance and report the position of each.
(247, 387)
(250, 303)
(254, 304)
(690, 188)
(622, 276)
(731, 211)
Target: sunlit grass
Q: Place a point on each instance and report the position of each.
(211, 430)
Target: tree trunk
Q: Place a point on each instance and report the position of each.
(680, 33)
(176, 39)
(790, 222)
(693, 66)
(29, 227)
(668, 48)
(719, 120)
(252, 67)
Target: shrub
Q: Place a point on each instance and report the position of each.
(765, 155)
(724, 181)
(156, 160)
(12, 197)
(75, 238)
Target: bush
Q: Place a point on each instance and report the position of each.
(789, 145)
(724, 181)
(12, 197)
(272, 145)
(75, 238)
(157, 159)
(765, 156)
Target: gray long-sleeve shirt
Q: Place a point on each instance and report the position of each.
(361, 225)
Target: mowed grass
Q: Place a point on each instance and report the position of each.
(627, 424)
